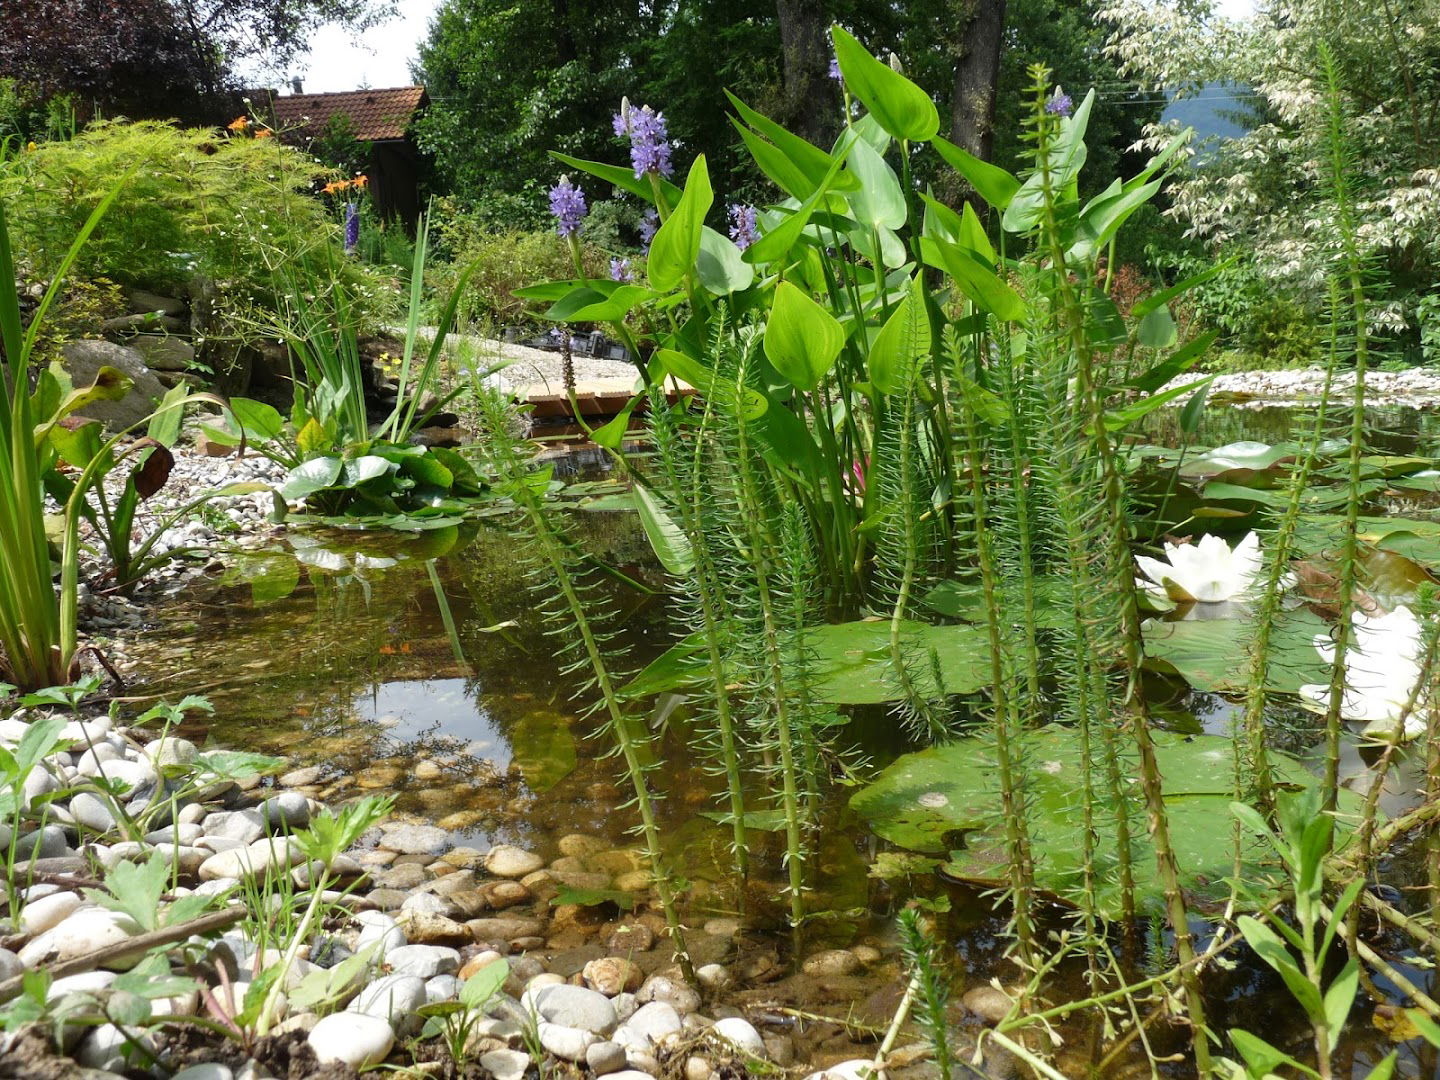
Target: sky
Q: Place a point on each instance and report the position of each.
(340, 60)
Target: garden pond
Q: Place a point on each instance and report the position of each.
(415, 665)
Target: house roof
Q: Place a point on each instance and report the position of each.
(375, 115)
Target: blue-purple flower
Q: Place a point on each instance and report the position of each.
(1060, 104)
(742, 225)
(352, 227)
(835, 70)
(649, 226)
(567, 203)
(649, 139)
(620, 271)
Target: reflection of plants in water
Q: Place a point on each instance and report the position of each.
(571, 608)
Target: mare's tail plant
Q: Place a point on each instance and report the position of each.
(574, 612)
(932, 986)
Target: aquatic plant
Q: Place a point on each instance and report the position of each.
(1208, 571)
(574, 614)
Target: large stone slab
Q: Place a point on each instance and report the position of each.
(82, 360)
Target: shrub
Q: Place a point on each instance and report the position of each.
(504, 260)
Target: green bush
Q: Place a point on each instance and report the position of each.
(236, 211)
(1283, 334)
(504, 260)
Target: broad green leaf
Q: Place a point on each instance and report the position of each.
(900, 348)
(936, 800)
(1123, 417)
(359, 470)
(721, 266)
(1271, 949)
(667, 539)
(976, 280)
(621, 177)
(1211, 655)
(803, 163)
(901, 107)
(586, 304)
(593, 897)
(853, 660)
(1262, 1058)
(992, 183)
(776, 242)
(1157, 330)
(878, 201)
(693, 373)
(485, 983)
(802, 339)
(676, 245)
(311, 476)
(1177, 363)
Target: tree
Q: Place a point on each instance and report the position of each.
(977, 74)
(1261, 193)
(159, 58)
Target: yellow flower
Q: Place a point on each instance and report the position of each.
(30, 147)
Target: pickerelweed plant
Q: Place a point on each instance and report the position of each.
(923, 415)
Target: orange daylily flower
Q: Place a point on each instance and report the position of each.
(264, 133)
(240, 123)
(361, 181)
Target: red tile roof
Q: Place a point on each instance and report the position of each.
(375, 115)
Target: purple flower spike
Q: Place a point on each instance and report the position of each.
(742, 225)
(567, 203)
(649, 226)
(1060, 104)
(649, 140)
(352, 227)
(835, 70)
(620, 271)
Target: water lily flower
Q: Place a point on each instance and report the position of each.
(1383, 671)
(1205, 572)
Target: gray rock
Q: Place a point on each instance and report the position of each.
(172, 751)
(566, 1043)
(210, 1070)
(854, 1069)
(505, 1064)
(423, 961)
(287, 811)
(571, 1006)
(508, 861)
(416, 840)
(442, 988)
(406, 876)
(48, 911)
(394, 998)
(83, 360)
(742, 1035)
(648, 1026)
(142, 321)
(832, 962)
(104, 1048)
(47, 843)
(627, 1074)
(377, 927)
(357, 1039)
(297, 778)
(92, 812)
(163, 352)
(242, 825)
(988, 1003)
(143, 302)
(10, 964)
(250, 861)
(505, 929)
(605, 1057)
(684, 999)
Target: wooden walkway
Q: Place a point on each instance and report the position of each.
(598, 399)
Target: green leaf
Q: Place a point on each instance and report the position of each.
(676, 245)
(1340, 997)
(878, 202)
(853, 660)
(1123, 417)
(258, 421)
(1157, 330)
(357, 471)
(311, 476)
(903, 343)
(593, 897)
(1262, 1058)
(1276, 953)
(135, 889)
(721, 266)
(1211, 654)
(901, 107)
(693, 373)
(802, 339)
(992, 183)
(586, 304)
(484, 984)
(667, 539)
(621, 177)
(802, 164)
(939, 799)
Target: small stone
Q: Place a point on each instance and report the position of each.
(854, 1069)
(480, 960)
(48, 911)
(714, 977)
(722, 927)
(423, 961)
(697, 1068)
(464, 858)
(504, 894)
(425, 769)
(393, 997)
(403, 876)
(631, 937)
(780, 1049)
(255, 859)
(636, 881)
(505, 1064)
(285, 812)
(866, 954)
(832, 962)
(990, 1004)
(416, 839)
(672, 992)
(566, 1043)
(298, 778)
(92, 812)
(377, 928)
(742, 1035)
(508, 861)
(580, 846)
(571, 1006)
(83, 932)
(210, 1070)
(357, 1039)
(172, 751)
(505, 929)
(87, 982)
(605, 1057)
(648, 1026)
(104, 1047)
(612, 975)
(10, 965)
(425, 928)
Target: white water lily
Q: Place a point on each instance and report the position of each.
(1205, 572)
(1382, 672)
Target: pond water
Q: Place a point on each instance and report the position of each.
(418, 666)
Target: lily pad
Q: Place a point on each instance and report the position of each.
(544, 749)
(947, 799)
(1211, 654)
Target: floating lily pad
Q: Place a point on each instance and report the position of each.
(543, 748)
(1211, 654)
(947, 799)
